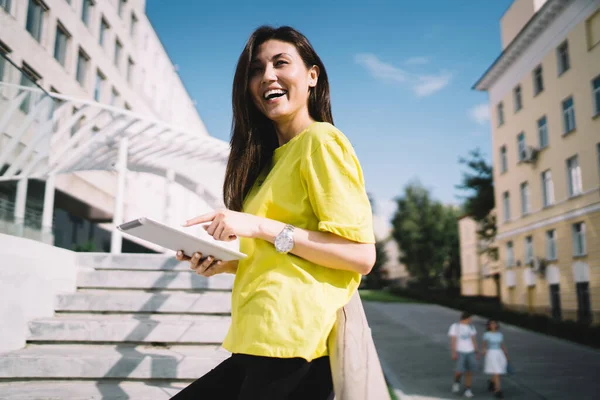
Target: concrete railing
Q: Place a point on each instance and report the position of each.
(31, 275)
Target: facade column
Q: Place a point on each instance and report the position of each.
(121, 167)
(48, 213)
(20, 204)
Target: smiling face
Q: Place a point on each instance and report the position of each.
(280, 82)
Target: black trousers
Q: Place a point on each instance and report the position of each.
(246, 377)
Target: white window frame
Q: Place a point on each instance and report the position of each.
(99, 85)
(538, 80)
(500, 113)
(574, 180)
(528, 248)
(510, 254)
(564, 63)
(118, 53)
(133, 25)
(6, 4)
(130, 67)
(518, 98)
(86, 17)
(547, 188)
(60, 28)
(551, 250)
(579, 239)
(121, 7)
(596, 95)
(37, 27)
(503, 160)
(568, 113)
(543, 132)
(506, 206)
(521, 146)
(104, 28)
(525, 198)
(81, 75)
(114, 97)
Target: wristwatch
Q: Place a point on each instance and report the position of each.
(284, 241)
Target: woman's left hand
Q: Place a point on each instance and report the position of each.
(227, 225)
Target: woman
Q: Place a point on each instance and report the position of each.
(295, 197)
(496, 356)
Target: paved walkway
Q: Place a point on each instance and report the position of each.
(413, 345)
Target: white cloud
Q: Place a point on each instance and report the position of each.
(480, 113)
(429, 84)
(417, 61)
(381, 70)
(422, 85)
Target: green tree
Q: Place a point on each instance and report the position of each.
(427, 233)
(478, 182)
(376, 278)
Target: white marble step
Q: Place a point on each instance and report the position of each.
(110, 361)
(145, 302)
(120, 279)
(85, 390)
(198, 330)
(165, 262)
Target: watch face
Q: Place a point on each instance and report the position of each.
(284, 243)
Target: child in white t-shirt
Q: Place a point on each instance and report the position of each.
(464, 350)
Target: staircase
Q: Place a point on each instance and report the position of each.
(138, 327)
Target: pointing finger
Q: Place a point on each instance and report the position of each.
(201, 219)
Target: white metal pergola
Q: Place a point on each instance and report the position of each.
(62, 135)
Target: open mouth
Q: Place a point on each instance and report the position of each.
(274, 94)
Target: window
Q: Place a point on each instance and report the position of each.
(525, 205)
(562, 55)
(114, 97)
(86, 11)
(574, 176)
(521, 146)
(82, 65)
(29, 77)
(592, 27)
(104, 27)
(130, 65)
(555, 301)
(596, 95)
(528, 250)
(503, 160)
(510, 255)
(579, 239)
(118, 48)
(133, 26)
(547, 189)
(584, 314)
(542, 125)
(100, 78)
(60, 44)
(538, 80)
(120, 7)
(517, 98)
(127, 106)
(6, 5)
(551, 245)
(506, 206)
(4, 50)
(568, 115)
(35, 19)
(500, 113)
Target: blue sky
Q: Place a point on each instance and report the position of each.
(400, 72)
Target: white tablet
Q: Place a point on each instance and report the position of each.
(174, 239)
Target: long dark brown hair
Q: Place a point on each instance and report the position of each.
(253, 137)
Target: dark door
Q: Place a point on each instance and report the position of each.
(584, 313)
(555, 301)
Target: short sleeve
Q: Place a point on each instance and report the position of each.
(452, 330)
(486, 337)
(335, 186)
(473, 331)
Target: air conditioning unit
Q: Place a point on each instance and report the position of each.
(530, 154)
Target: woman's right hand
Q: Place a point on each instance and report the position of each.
(208, 266)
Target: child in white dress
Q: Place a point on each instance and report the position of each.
(496, 356)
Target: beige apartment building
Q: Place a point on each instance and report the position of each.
(544, 96)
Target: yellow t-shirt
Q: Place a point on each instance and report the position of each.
(283, 305)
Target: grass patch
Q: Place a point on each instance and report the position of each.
(384, 296)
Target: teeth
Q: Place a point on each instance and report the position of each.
(274, 92)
